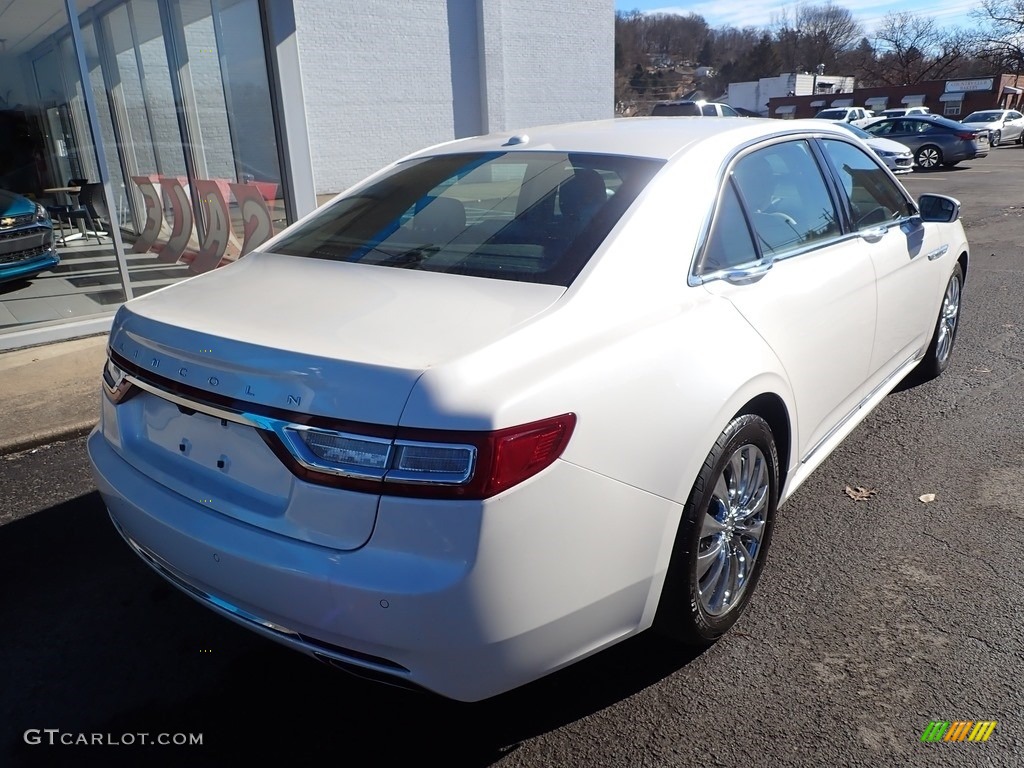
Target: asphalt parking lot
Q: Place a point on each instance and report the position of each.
(873, 618)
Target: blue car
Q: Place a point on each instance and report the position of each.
(26, 238)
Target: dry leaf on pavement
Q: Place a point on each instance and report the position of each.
(860, 493)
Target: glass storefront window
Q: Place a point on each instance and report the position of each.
(163, 164)
(193, 132)
(58, 259)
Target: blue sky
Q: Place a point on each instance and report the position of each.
(760, 13)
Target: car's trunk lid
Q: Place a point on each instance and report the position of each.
(297, 340)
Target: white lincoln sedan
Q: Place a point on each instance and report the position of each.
(518, 397)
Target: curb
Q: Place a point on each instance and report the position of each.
(53, 435)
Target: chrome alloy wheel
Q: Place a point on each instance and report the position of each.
(929, 157)
(947, 320)
(732, 529)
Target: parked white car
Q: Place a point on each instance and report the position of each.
(1003, 125)
(852, 115)
(516, 398)
(904, 111)
(895, 112)
(898, 157)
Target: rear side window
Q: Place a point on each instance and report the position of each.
(729, 244)
(524, 216)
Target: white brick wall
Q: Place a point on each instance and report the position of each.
(383, 79)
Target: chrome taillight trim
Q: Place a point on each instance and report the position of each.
(289, 433)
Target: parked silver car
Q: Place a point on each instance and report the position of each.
(1003, 125)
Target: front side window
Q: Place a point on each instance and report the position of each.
(524, 216)
(874, 199)
(786, 197)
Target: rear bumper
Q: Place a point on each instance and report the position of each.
(503, 591)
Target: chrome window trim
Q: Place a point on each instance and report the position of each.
(814, 138)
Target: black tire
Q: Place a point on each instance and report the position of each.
(687, 608)
(928, 157)
(937, 358)
(994, 138)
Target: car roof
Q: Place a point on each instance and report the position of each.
(652, 137)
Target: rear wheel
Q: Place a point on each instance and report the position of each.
(936, 359)
(723, 536)
(928, 157)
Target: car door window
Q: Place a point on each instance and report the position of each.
(874, 199)
(907, 127)
(785, 197)
(884, 128)
(729, 244)
(709, 110)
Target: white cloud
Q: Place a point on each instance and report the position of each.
(762, 13)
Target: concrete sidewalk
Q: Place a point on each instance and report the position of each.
(50, 392)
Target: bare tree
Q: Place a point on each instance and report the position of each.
(815, 34)
(999, 35)
(910, 49)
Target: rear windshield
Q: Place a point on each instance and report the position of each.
(525, 216)
(832, 114)
(679, 109)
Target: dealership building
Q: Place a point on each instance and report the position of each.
(169, 137)
(954, 99)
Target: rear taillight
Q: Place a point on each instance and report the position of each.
(967, 136)
(424, 463)
(372, 458)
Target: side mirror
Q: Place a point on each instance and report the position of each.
(938, 208)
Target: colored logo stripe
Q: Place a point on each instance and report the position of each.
(935, 731)
(982, 731)
(958, 730)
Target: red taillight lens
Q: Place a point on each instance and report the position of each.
(522, 452)
(967, 136)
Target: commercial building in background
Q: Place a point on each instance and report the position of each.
(755, 95)
(954, 99)
(169, 137)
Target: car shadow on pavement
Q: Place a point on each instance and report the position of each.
(98, 647)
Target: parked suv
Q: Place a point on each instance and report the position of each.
(691, 108)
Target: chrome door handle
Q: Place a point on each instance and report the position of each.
(749, 274)
(873, 235)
